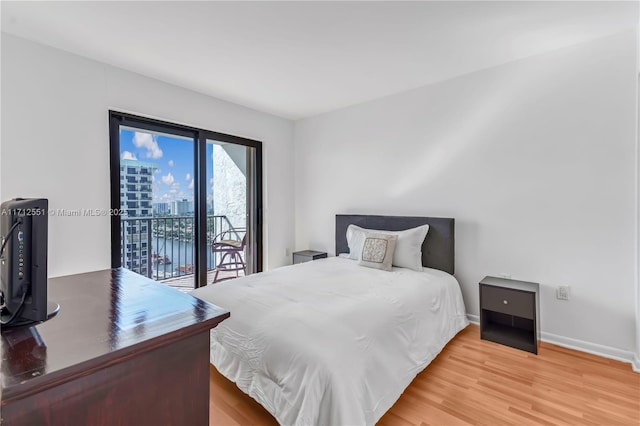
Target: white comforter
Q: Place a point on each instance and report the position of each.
(330, 342)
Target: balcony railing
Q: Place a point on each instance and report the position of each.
(168, 244)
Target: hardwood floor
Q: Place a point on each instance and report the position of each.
(477, 382)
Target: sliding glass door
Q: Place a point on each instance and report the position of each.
(190, 202)
(157, 197)
(231, 199)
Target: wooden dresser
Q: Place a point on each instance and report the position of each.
(123, 350)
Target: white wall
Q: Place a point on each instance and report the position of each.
(636, 361)
(55, 144)
(229, 187)
(534, 159)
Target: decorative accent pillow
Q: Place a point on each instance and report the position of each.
(408, 251)
(377, 250)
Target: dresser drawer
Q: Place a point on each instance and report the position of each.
(508, 301)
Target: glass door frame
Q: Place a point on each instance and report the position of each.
(200, 137)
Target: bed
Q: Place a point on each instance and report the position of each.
(331, 342)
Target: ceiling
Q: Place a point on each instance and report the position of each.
(299, 59)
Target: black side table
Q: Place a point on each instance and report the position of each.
(509, 313)
(308, 256)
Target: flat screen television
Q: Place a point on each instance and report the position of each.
(23, 261)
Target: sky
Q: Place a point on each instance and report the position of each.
(173, 159)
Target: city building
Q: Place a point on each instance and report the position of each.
(181, 207)
(161, 209)
(136, 195)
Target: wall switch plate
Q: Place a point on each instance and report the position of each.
(287, 252)
(562, 292)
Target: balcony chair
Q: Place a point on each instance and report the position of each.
(231, 254)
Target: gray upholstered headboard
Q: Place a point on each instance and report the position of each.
(438, 249)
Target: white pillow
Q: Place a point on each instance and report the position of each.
(355, 241)
(377, 251)
(408, 250)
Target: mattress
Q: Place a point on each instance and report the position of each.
(330, 342)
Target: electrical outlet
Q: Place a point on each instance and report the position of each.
(503, 275)
(562, 292)
(287, 252)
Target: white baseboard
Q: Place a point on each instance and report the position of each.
(636, 363)
(581, 345)
(591, 348)
(474, 319)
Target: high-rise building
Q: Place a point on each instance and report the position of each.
(161, 209)
(136, 194)
(181, 207)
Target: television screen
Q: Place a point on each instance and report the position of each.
(23, 266)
